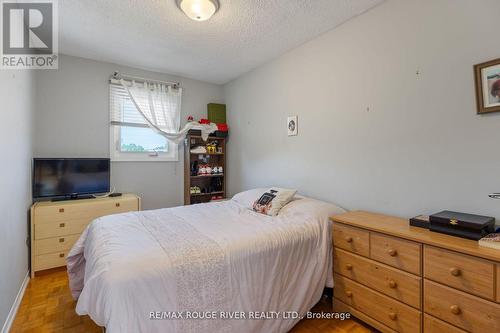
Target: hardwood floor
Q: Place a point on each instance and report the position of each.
(329, 325)
(47, 306)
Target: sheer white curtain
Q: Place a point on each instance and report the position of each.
(160, 105)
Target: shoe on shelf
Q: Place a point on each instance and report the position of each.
(199, 150)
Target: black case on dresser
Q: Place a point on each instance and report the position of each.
(461, 224)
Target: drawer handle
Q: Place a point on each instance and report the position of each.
(393, 315)
(348, 267)
(349, 239)
(61, 210)
(393, 284)
(455, 271)
(455, 309)
(348, 293)
(61, 240)
(61, 255)
(392, 252)
(62, 225)
(117, 204)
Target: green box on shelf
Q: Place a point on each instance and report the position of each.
(216, 113)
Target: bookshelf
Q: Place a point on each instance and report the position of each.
(213, 185)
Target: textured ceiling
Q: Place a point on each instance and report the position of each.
(156, 35)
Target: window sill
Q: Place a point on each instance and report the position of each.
(142, 159)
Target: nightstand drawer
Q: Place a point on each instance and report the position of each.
(351, 239)
(392, 282)
(468, 312)
(434, 325)
(470, 274)
(51, 260)
(396, 252)
(55, 244)
(396, 315)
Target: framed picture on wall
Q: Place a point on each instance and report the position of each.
(487, 79)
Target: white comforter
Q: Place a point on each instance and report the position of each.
(203, 260)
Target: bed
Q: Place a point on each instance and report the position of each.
(216, 267)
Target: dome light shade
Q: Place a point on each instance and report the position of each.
(198, 10)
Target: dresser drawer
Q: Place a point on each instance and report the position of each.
(434, 325)
(56, 244)
(394, 314)
(341, 307)
(498, 283)
(60, 228)
(77, 210)
(397, 252)
(468, 312)
(473, 275)
(351, 239)
(51, 260)
(392, 282)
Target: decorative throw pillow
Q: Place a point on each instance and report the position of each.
(247, 198)
(273, 200)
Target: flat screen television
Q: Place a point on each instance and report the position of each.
(70, 178)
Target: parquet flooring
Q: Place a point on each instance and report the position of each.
(47, 307)
(330, 325)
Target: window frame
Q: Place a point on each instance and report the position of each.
(117, 155)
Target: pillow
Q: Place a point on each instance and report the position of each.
(273, 200)
(247, 198)
(301, 206)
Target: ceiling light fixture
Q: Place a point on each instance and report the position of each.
(198, 10)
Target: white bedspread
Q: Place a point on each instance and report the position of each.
(206, 259)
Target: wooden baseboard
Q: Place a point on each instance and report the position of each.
(13, 310)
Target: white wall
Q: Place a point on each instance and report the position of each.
(72, 121)
(17, 97)
(420, 148)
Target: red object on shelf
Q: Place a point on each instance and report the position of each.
(222, 127)
(204, 121)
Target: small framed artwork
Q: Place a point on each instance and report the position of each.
(487, 79)
(292, 125)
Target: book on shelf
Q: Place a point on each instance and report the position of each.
(491, 241)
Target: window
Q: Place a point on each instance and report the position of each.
(131, 139)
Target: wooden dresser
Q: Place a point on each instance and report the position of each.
(56, 226)
(399, 278)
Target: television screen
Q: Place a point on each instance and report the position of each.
(70, 177)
